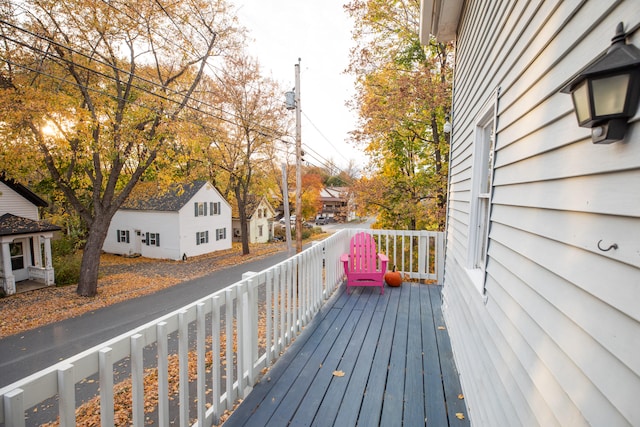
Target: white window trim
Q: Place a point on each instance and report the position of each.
(488, 116)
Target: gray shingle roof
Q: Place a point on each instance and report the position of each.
(11, 225)
(148, 196)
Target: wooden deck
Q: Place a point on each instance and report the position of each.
(396, 358)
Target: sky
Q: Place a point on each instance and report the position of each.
(319, 33)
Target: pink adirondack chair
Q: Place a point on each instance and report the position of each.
(361, 263)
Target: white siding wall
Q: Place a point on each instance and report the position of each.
(13, 203)
(164, 223)
(190, 224)
(556, 341)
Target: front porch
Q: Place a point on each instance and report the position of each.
(365, 359)
(277, 335)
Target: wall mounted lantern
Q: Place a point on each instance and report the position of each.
(605, 94)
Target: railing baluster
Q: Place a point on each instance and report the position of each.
(137, 379)
(228, 306)
(201, 352)
(14, 408)
(105, 362)
(66, 392)
(163, 374)
(183, 367)
(215, 357)
(269, 333)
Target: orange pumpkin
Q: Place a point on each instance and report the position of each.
(393, 278)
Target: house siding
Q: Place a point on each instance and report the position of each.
(177, 229)
(13, 203)
(554, 340)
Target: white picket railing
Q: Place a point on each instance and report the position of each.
(221, 332)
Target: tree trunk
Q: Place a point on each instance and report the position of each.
(88, 282)
(242, 212)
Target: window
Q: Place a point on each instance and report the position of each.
(214, 208)
(221, 233)
(17, 256)
(152, 239)
(202, 237)
(123, 236)
(200, 209)
(260, 230)
(481, 184)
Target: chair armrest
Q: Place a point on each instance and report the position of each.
(344, 258)
(383, 257)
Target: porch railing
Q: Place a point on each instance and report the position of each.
(229, 337)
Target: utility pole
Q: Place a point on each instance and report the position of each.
(285, 195)
(298, 163)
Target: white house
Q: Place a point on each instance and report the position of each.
(181, 221)
(541, 288)
(25, 241)
(260, 221)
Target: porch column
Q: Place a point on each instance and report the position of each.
(37, 252)
(7, 271)
(47, 252)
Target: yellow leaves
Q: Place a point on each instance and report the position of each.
(460, 415)
(338, 373)
(441, 328)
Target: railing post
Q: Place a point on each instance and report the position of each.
(105, 360)
(423, 255)
(440, 257)
(251, 325)
(14, 408)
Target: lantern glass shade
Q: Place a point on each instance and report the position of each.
(609, 94)
(581, 102)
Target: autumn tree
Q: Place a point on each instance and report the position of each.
(403, 94)
(96, 87)
(252, 117)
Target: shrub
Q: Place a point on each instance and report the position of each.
(67, 268)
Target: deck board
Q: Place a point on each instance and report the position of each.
(395, 354)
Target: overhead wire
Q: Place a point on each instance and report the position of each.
(270, 133)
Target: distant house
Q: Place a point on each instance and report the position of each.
(183, 220)
(25, 240)
(260, 217)
(337, 203)
(541, 292)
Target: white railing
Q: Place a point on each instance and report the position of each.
(218, 345)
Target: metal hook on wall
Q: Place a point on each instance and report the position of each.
(613, 246)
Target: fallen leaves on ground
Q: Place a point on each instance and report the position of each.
(338, 373)
(120, 279)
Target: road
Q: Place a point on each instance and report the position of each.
(24, 354)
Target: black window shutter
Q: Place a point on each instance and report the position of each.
(157, 239)
(197, 237)
(118, 235)
(196, 208)
(127, 236)
(205, 209)
(211, 208)
(146, 239)
(206, 236)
